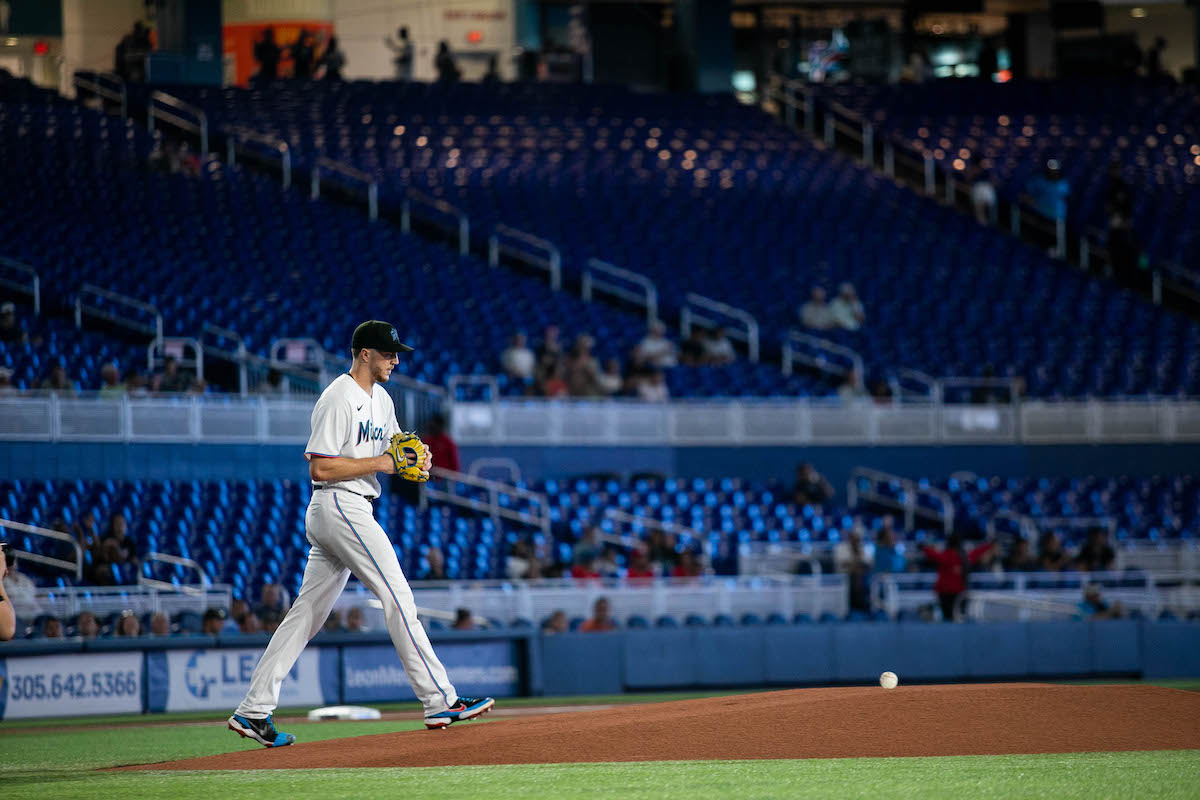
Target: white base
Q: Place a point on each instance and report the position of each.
(343, 712)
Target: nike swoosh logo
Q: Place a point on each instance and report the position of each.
(360, 407)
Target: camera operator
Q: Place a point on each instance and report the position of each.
(8, 618)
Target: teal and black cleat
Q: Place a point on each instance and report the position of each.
(464, 709)
(260, 730)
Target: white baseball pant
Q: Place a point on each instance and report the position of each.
(346, 538)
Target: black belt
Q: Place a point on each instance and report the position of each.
(317, 488)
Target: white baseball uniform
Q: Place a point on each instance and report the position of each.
(345, 538)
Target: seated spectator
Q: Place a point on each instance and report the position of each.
(356, 620)
(434, 566)
(52, 628)
(518, 360)
(85, 531)
(693, 352)
(272, 602)
(688, 566)
(660, 548)
(1096, 555)
(653, 388)
(555, 384)
(463, 621)
(333, 623)
(160, 624)
(610, 382)
(214, 621)
(57, 381)
(816, 314)
(812, 488)
(600, 620)
(11, 331)
(1094, 606)
(846, 309)
(548, 356)
(197, 386)
(718, 349)
(1053, 558)
(118, 531)
(110, 379)
(881, 392)
(1021, 558)
(128, 626)
(585, 567)
(137, 385)
(522, 563)
(656, 350)
(107, 555)
(850, 390)
(270, 621)
(640, 566)
(21, 591)
(87, 626)
(888, 557)
(250, 623)
(274, 384)
(556, 623)
(581, 370)
(6, 387)
(238, 609)
(172, 379)
(441, 445)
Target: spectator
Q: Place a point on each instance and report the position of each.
(128, 626)
(105, 568)
(881, 392)
(267, 53)
(333, 623)
(653, 388)
(129, 58)
(250, 623)
(52, 628)
(1096, 555)
(437, 565)
(87, 626)
(816, 314)
(303, 56)
(718, 349)
(6, 387)
(118, 531)
(983, 198)
(1052, 557)
(640, 566)
(661, 549)
(518, 360)
(854, 559)
(846, 309)
(137, 385)
(851, 390)
(10, 331)
(402, 50)
(953, 565)
(270, 621)
(238, 609)
(463, 621)
(555, 384)
(160, 624)
(1021, 558)
(812, 488)
(1094, 606)
(688, 566)
(57, 381)
(272, 601)
(1154, 67)
(21, 591)
(1122, 242)
(693, 351)
(655, 349)
(214, 621)
(441, 445)
(197, 386)
(610, 382)
(171, 379)
(356, 620)
(600, 620)
(443, 62)
(1049, 192)
(85, 532)
(333, 60)
(549, 354)
(584, 567)
(888, 557)
(110, 382)
(8, 617)
(492, 76)
(556, 623)
(582, 371)
(522, 562)
(274, 384)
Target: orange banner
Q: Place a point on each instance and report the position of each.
(240, 39)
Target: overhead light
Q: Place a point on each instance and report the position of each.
(11, 41)
(1137, 12)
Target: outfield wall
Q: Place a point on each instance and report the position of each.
(113, 676)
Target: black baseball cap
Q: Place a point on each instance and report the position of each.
(377, 335)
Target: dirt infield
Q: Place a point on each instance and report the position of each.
(803, 723)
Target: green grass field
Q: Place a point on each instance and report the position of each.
(61, 758)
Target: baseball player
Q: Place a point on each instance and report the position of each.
(354, 436)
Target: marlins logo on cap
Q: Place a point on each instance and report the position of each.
(375, 334)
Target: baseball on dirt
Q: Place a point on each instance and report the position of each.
(888, 680)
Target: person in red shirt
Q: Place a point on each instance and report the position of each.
(639, 566)
(953, 563)
(687, 567)
(585, 568)
(600, 620)
(441, 446)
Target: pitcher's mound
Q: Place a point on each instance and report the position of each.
(802, 723)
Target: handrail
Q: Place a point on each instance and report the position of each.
(454, 381)
(966, 381)
(235, 136)
(930, 383)
(76, 566)
(818, 362)
(492, 507)
(509, 464)
(315, 355)
(647, 299)
(35, 284)
(167, 558)
(199, 127)
(413, 196)
(350, 172)
(157, 348)
(117, 94)
(1028, 527)
(909, 504)
(683, 531)
(687, 317)
(120, 299)
(552, 263)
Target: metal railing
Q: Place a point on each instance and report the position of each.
(159, 350)
(75, 567)
(683, 533)
(820, 354)
(551, 262)
(778, 558)
(105, 85)
(511, 468)
(908, 502)
(121, 301)
(462, 223)
(198, 588)
(698, 309)
(929, 389)
(240, 137)
(31, 285)
(599, 277)
(346, 171)
(539, 518)
(168, 108)
(490, 382)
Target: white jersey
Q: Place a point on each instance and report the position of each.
(349, 423)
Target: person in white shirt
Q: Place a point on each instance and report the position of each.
(22, 592)
(815, 313)
(846, 309)
(656, 350)
(517, 359)
(718, 349)
(653, 388)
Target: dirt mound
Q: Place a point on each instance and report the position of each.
(802, 723)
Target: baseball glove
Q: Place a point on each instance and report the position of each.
(410, 455)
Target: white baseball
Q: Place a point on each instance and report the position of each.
(888, 680)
